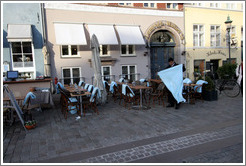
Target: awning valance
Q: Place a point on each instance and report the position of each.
(19, 33)
(70, 34)
(130, 35)
(104, 33)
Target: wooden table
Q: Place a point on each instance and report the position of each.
(140, 87)
(80, 95)
(155, 80)
(19, 100)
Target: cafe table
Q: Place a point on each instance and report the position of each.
(79, 93)
(140, 88)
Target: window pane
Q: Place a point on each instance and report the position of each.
(28, 60)
(152, 4)
(123, 49)
(104, 50)
(195, 28)
(64, 50)
(212, 40)
(195, 40)
(201, 28)
(124, 72)
(218, 40)
(212, 29)
(27, 48)
(66, 76)
(168, 5)
(146, 4)
(201, 42)
(218, 29)
(76, 75)
(121, 3)
(130, 47)
(106, 73)
(199, 67)
(132, 73)
(16, 47)
(74, 50)
(175, 5)
(17, 59)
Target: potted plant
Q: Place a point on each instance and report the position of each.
(208, 90)
(227, 71)
(30, 124)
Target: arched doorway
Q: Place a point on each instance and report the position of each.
(161, 49)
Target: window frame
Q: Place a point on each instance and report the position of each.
(71, 73)
(127, 50)
(199, 32)
(69, 52)
(23, 68)
(125, 4)
(101, 50)
(128, 71)
(215, 33)
(171, 6)
(149, 5)
(204, 66)
(110, 72)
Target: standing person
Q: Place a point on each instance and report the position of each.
(239, 74)
(171, 100)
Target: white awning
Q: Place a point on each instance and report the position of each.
(104, 33)
(130, 35)
(19, 32)
(70, 34)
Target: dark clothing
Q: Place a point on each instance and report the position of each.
(171, 100)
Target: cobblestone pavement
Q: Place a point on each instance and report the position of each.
(156, 148)
(142, 135)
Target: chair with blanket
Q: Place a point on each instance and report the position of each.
(69, 104)
(197, 91)
(157, 95)
(128, 95)
(92, 102)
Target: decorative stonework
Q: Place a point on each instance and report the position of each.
(162, 25)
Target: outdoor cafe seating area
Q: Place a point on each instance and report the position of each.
(82, 99)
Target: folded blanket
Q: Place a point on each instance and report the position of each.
(29, 94)
(111, 89)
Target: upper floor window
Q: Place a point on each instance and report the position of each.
(215, 5)
(125, 4)
(230, 6)
(197, 4)
(104, 50)
(69, 51)
(22, 54)
(214, 36)
(198, 35)
(149, 5)
(232, 34)
(172, 6)
(127, 50)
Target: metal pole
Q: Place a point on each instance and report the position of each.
(229, 42)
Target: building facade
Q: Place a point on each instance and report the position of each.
(206, 35)
(135, 41)
(23, 39)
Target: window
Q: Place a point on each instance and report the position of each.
(215, 5)
(22, 54)
(69, 51)
(198, 35)
(214, 36)
(104, 50)
(127, 50)
(152, 5)
(106, 72)
(197, 4)
(125, 4)
(172, 6)
(230, 5)
(199, 67)
(129, 72)
(71, 75)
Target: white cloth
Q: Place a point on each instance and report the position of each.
(90, 88)
(111, 89)
(93, 94)
(187, 81)
(124, 86)
(173, 79)
(200, 82)
(86, 85)
(142, 80)
(121, 80)
(239, 74)
(29, 94)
